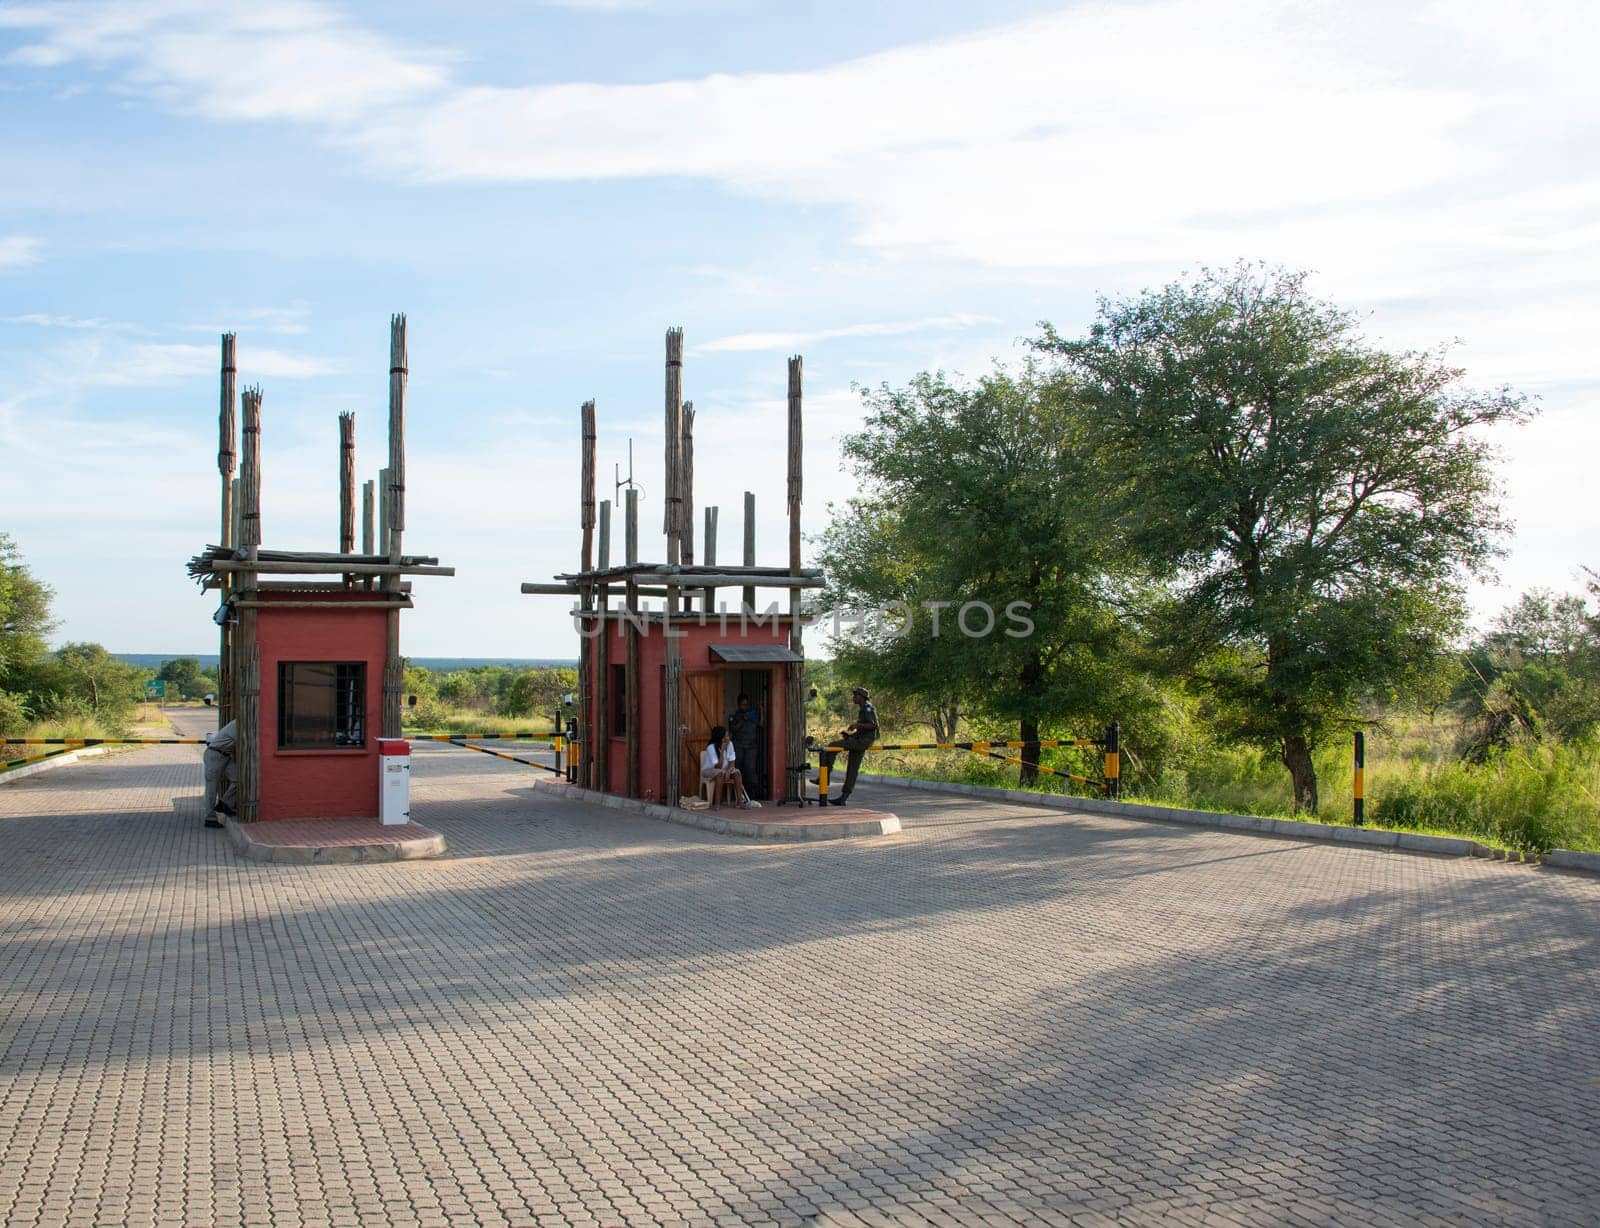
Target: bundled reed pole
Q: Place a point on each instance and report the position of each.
(347, 483)
(749, 594)
(586, 599)
(672, 512)
(247, 652)
(686, 490)
(398, 374)
(226, 433)
(794, 686)
(710, 552)
(600, 721)
(631, 671)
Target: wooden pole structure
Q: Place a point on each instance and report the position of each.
(631, 536)
(247, 652)
(686, 493)
(749, 595)
(347, 483)
(238, 513)
(710, 552)
(383, 513)
(601, 651)
(226, 432)
(585, 643)
(672, 512)
(367, 513)
(794, 690)
(398, 374)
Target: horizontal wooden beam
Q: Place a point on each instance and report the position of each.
(331, 569)
(403, 604)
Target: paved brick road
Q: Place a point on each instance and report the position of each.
(582, 1017)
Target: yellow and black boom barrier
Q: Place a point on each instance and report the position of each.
(1110, 745)
(76, 743)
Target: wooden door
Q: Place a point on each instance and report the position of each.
(699, 708)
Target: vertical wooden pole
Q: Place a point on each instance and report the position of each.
(686, 491)
(367, 513)
(794, 672)
(247, 653)
(601, 724)
(586, 596)
(630, 527)
(393, 670)
(710, 553)
(238, 513)
(226, 432)
(347, 483)
(383, 512)
(749, 595)
(631, 535)
(672, 513)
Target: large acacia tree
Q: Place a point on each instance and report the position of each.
(979, 493)
(1315, 501)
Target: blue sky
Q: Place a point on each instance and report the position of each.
(887, 187)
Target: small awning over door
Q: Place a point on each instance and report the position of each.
(754, 654)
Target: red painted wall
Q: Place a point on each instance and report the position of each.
(695, 650)
(320, 784)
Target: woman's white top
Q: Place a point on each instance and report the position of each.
(711, 764)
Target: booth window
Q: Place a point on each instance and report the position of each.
(322, 705)
(619, 701)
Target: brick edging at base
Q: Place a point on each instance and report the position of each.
(1367, 837)
(705, 820)
(415, 849)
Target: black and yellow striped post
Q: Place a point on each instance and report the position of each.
(1113, 760)
(1361, 778)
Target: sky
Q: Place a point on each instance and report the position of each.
(882, 187)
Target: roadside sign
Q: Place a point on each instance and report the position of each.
(156, 688)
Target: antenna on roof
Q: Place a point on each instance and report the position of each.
(628, 481)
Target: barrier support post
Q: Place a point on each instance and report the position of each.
(1361, 779)
(1114, 760)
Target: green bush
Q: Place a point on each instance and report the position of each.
(13, 715)
(1530, 798)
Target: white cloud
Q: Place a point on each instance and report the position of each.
(40, 319)
(290, 320)
(745, 342)
(19, 251)
(276, 59)
(145, 364)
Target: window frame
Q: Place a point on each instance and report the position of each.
(348, 730)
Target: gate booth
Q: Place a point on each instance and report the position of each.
(648, 699)
(310, 641)
(717, 665)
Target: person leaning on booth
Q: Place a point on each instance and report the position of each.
(222, 785)
(860, 735)
(717, 769)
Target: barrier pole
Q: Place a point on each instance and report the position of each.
(1361, 779)
(1114, 760)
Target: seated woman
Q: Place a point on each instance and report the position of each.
(717, 769)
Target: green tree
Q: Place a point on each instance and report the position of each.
(1314, 501)
(536, 691)
(972, 515)
(103, 683)
(182, 676)
(24, 614)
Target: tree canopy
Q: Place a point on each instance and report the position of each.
(1312, 502)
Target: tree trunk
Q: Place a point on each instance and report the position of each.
(1029, 772)
(1297, 758)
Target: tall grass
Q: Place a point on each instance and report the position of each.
(1530, 799)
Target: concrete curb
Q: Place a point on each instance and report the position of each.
(886, 825)
(431, 845)
(1571, 859)
(71, 756)
(1366, 837)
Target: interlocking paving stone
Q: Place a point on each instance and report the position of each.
(579, 1016)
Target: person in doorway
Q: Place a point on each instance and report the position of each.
(222, 783)
(717, 768)
(744, 730)
(861, 734)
